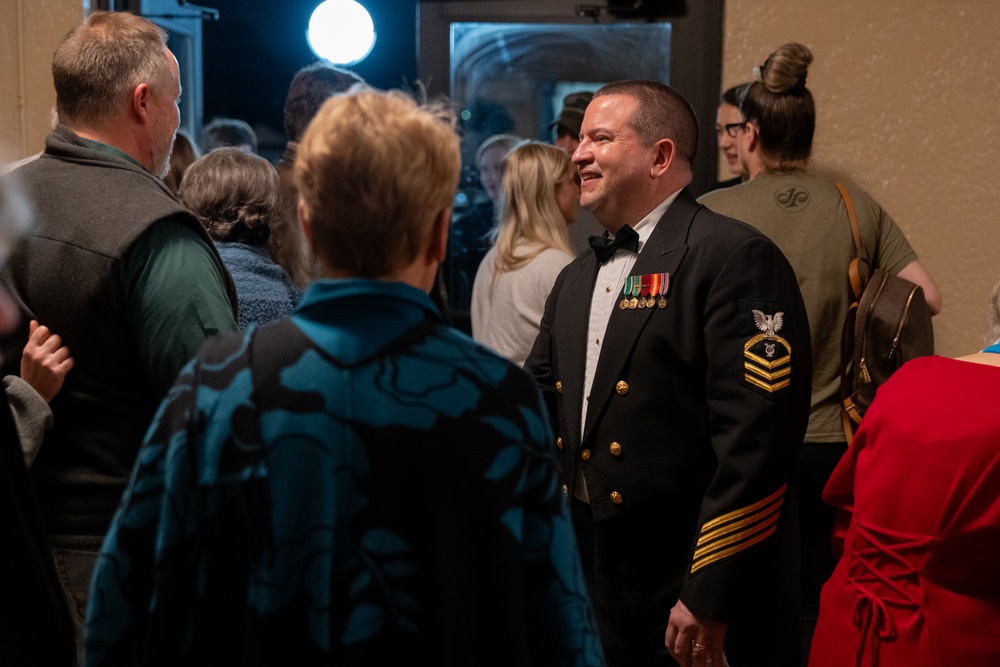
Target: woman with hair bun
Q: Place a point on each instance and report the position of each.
(540, 190)
(806, 216)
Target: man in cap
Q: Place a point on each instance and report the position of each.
(567, 124)
(567, 130)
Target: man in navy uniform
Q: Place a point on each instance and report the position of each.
(677, 357)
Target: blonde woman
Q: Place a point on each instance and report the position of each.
(540, 191)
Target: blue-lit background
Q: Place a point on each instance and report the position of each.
(252, 52)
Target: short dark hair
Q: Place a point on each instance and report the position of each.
(663, 113)
(223, 132)
(101, 61)
(781, 106)
(310, 87)
(235, 194)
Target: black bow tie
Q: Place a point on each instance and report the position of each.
(604, 248)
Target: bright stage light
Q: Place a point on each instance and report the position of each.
(341, 32)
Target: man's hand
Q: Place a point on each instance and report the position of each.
(694, 640)
(45, 361)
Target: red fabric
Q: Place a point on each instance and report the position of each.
(919, 581)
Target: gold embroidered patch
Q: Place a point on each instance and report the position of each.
(736, 531)
(767, 362)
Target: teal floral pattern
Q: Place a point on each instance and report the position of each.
(358, 485)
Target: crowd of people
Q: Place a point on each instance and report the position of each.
(241, 428)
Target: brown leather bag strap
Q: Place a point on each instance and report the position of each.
(849, 416)
(852, 270)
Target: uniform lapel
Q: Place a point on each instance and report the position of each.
(570, 339)
(662, 253)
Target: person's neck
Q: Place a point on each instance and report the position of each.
(983, 358)
(415, 275)
(759, 166)
(116, 134)
(637, 210)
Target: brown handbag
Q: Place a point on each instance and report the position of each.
(889, 323)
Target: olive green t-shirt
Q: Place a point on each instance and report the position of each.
(805, 216)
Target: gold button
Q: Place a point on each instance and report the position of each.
(616, 497)
(622, 387)
(616, 449)
(565, 490)
(585, 455)
(559, 386)
(559, 443)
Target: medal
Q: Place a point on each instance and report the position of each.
(645, 283)
(636, 288)
(626, 292)
(662, 281)
(630, 291)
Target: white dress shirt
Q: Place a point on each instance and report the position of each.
(607, 293)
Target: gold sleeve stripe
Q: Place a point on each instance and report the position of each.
(708, 560)
(770, 388)
(742, 512)
(737, 525)
(742, 535)
(780, 373)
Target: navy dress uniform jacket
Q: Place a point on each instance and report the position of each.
(697, 410)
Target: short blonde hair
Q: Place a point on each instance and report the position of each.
(531, 216)
(374, 168)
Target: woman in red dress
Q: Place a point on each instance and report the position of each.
(918, 583)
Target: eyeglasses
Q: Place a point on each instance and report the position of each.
(732, 127)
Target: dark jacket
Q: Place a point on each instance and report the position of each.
(89, 208)
(677, 420)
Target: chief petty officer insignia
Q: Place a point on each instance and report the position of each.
(767, 357)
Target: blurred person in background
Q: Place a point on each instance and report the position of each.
(236, 196)
(727, 118)
(310, 88)
(35, 624)
(223, 132)
(183, 155)
(470, 229)
(540, 193)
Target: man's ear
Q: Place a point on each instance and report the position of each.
(304, 222)
(437, 249)
(141, 98)
(666, 153)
